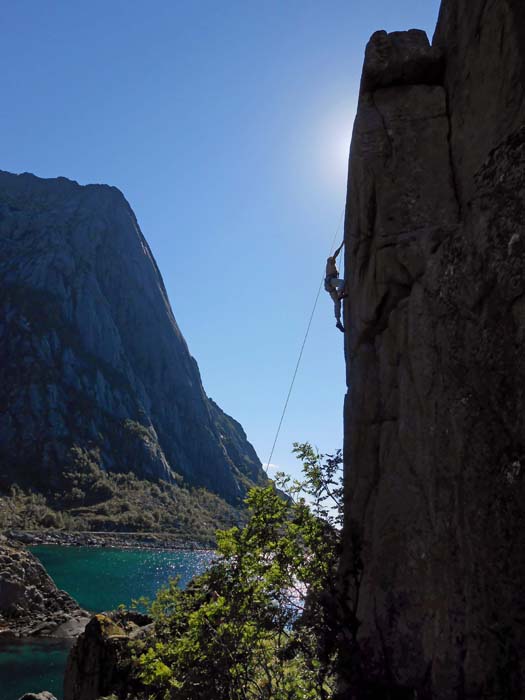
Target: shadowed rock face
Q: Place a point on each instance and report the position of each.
(100, 662)
(435, 349)
(91, 354)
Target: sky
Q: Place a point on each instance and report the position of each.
(227, 125)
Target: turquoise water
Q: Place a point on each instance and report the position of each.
(99, 579)
(32, 667)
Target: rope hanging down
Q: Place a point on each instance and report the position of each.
(302, 349)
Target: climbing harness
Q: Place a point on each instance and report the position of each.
(323, 281)
(328, 282)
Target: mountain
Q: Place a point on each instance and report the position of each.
(94, 365)
(435, 350)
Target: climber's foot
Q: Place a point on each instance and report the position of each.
(340, 326)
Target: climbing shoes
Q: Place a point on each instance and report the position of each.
(340, 326)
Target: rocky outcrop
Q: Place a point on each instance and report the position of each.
(30, 603)
(100, 663)
(94, 366)
(435, 319)
(44, 695)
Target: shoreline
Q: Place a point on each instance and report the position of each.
(112, 540)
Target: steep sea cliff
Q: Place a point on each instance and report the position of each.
(94, 366)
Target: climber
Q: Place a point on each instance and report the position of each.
(335, 286)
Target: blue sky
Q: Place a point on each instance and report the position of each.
(227, 126)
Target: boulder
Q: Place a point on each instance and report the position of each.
(99, 664)
(30, 602)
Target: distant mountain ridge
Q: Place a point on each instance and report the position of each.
(92, 357)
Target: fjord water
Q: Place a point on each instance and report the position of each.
(103, 578)
(99, 579)
(32, 666)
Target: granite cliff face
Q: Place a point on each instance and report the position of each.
(92, 357)
(435, 349)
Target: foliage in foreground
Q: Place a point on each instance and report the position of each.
(258, 623)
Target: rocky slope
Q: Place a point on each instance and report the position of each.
(92, 356)
(435, 348)
(30, 603)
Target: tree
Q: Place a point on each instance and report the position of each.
(258, 623)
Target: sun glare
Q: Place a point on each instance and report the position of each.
(334, 148)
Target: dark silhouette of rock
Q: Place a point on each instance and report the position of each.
(401, 58)
(435, 349)
(100, 662)
(92, 357)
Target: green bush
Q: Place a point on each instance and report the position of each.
(254, 625)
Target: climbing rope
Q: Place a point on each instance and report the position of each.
(302, 349)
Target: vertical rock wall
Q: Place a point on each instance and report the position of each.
(435, 414)
(92, 359)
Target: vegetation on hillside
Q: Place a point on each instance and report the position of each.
(260, 623)
(94, 500)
